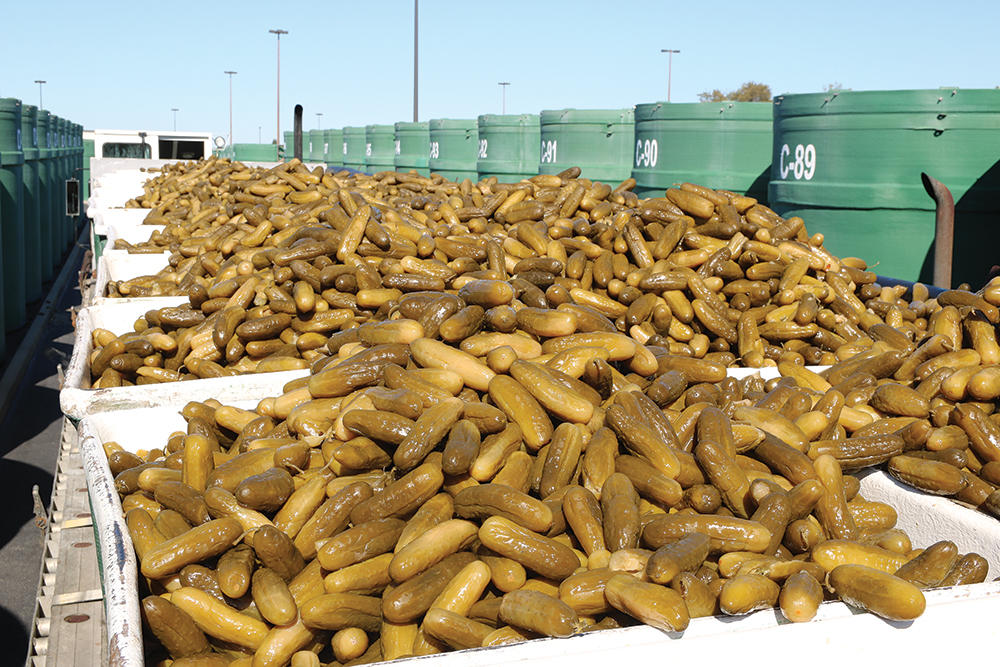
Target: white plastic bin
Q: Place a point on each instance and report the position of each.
(965, 614)
(77, 400)
(133, 234)
(120, 265)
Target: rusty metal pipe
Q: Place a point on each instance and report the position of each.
(944, 229)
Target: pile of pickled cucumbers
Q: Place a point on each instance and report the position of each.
(518, 416)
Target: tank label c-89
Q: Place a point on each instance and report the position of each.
(804, 165)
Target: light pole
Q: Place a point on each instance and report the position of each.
(175, 119)
(279, 33)
(504, 84)
(230, 105)
(669, 67)
(318, 116)
(415, 61)
(39, 93)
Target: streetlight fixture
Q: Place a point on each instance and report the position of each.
(669, 67)
(40, 93)
(175, 119)
(504, 84)
(279, 33)
(230, 105)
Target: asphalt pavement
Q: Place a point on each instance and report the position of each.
(32, 430)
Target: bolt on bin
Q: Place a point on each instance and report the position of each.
(850, 162)
(333, 157)
(720, 145)
(380, 148)
(508, 147)
(48, 197)
(354, 148)
(11, 194)
(599, 142)
(412, 141)
(454, 148)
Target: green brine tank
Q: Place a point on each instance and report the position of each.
(380, 148)
(508, 147)
(720, 145)
(31, 182)
(255, 152)
(412, 147)
(12, 203)
(317, 147)
(334, 156)
(354, 148)
(51, 199)
(849, 163)
(454, 148)
(599, 142)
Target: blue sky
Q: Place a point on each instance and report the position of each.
(126, 65)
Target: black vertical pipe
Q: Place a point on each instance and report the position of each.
(297, 140)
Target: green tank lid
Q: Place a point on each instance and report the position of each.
(380, 148)
(412, 147)
(599, 142)
(508, 147)
(454, 148)
(354, 148)
(850, 163)
(720, 145)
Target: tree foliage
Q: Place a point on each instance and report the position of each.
(751, 91)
